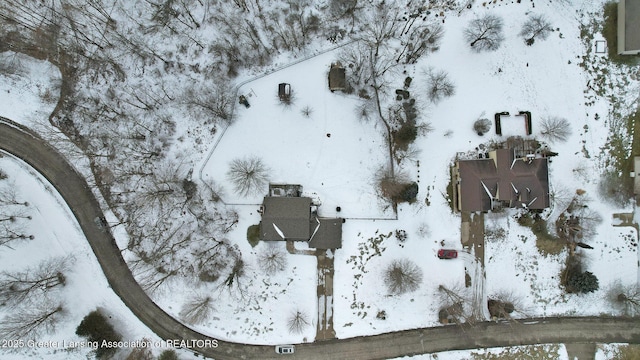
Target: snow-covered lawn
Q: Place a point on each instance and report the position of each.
(261, 316)
(330, 153)
(368, 248)
(514, 265)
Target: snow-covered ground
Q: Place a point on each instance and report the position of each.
(29, 90)
(57, 235)
(538, 352)
(330, 153)
(544, 78)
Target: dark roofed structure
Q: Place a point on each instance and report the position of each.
(284, 92)
(629, 27)
(337, 77)
(292, 218)
(327, 234)
(502, 179)
(285, 218)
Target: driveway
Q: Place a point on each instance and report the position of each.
(20, 142)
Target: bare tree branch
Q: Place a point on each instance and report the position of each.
(484, 33)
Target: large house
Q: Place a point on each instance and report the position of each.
(502, 179)
(629, 27)
(296, 218)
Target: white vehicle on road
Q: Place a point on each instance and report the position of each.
(285, 349)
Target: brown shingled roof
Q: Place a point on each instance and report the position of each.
(516, 182)
(285, 218)
(290, 218)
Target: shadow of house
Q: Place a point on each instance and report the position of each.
(502, 180)
(337, 77)
(629, 27)
(295, 218)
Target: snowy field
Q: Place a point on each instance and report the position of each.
(544, 78)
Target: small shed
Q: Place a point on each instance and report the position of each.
(284, 91)
(337, 77)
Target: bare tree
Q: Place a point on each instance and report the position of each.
(345, 9)
(503, 304)
(272, 259)
(482, 126)
(390, 185)
(306, 111)
(484, 33)
(455, 305)
(381, 26)
(555, 129)
(197, 309)
(11, 233)
(297, 322)
(17, 287)
(31, 321)
(366, 111)
(402, 276)
(13, 216)
(141, 353)
(11, 65)
(537, 26)
(561, 197)
(614, 188)
(420, 40)
(234, 280)
(625, 298)
(579, 221)
(215, 102)
(9, 196)
(438, 85)
(248, 175)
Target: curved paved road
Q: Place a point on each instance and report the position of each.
(20, 142)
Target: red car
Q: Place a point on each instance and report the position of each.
(447, 254)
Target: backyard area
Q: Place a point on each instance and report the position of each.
(316, 141)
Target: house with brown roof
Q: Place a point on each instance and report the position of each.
(502, 180)
(629, 27)
(296, 218)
